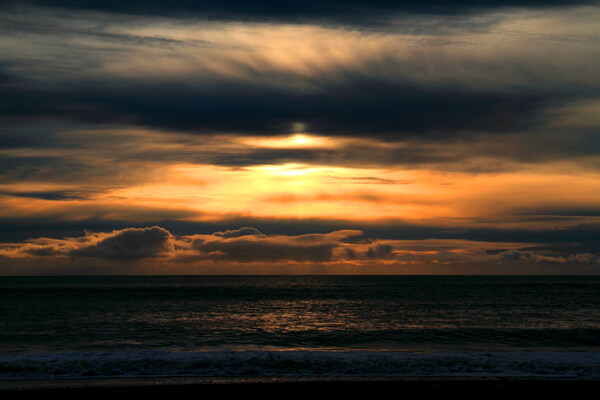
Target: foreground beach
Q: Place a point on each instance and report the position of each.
(469, 387)
(294, 364)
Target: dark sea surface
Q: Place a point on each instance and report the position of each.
(113, 326)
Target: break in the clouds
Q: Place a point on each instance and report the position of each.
(389, 137)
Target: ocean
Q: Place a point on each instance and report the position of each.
(73, 327)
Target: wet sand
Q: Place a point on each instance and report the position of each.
(463, 387)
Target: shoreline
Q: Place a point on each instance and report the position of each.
(464, 386)
(295, 365)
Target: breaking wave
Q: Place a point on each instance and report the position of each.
(297, 363)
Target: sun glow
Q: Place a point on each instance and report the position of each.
(301, 139)
(297, 140)
(287, 170)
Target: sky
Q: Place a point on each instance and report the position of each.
(299, 137)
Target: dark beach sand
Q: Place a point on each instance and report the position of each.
(467, 387)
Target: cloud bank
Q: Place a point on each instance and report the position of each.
(253, 250)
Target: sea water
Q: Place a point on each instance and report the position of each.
(64, 327)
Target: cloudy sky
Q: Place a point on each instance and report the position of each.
(309, 137)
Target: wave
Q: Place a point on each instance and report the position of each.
(298, 363)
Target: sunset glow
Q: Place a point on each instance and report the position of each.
(445, 141)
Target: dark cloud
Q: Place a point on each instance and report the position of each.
(51, 195)
(575, 239)
(245, 231)
(362, 106)
(526, 256)
(380, 251)
(352, 12)
(249, 245)
(565, 212)
(357, 239)
(240, 245)
(265, 251)
(126, 244)
(131, 243)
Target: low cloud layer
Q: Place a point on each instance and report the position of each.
(129, 244)
(126, 244)
(252, 249)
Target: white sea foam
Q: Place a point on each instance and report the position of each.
(298, 363)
